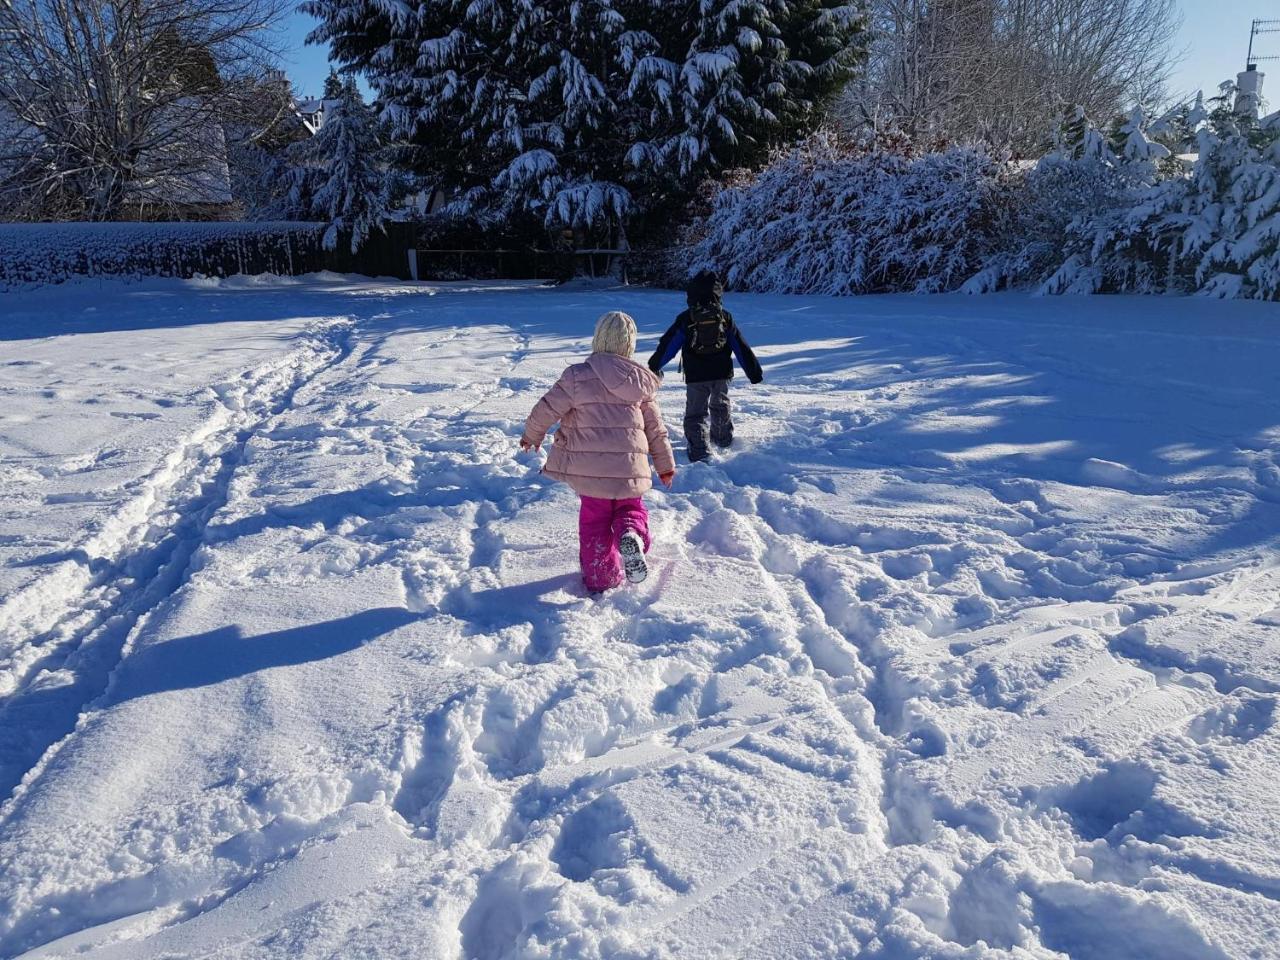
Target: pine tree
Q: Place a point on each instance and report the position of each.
(1215, 231)
(586, 113)
(332, 85)
(338, 174)
(1233, 207)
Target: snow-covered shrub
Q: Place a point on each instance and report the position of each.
(827, 217)
(1112, 211)
(1040, 206)
(1058, 207)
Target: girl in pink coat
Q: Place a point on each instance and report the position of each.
(609, 428)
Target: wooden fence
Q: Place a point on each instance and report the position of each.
(528, 263)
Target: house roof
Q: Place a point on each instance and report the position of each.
(312, 111)
(315, 105)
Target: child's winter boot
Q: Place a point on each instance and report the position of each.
(632, 549)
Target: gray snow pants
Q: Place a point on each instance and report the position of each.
(700, 398)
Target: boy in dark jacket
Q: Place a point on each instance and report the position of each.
(707, 340)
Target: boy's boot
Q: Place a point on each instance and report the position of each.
(696, 443)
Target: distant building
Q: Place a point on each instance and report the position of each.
(313, 111)
(187, 176)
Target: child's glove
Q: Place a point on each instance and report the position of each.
(526, 444)
(759, 379)
(667, 479)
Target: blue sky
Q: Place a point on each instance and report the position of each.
(306, 66)
(1215, 37)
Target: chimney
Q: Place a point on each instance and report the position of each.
(1249, 91)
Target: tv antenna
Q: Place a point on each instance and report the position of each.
(1259, 28)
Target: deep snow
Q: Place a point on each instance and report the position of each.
(969, 648)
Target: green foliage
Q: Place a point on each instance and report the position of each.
(332, 85)
(339, 175)
(591, 113)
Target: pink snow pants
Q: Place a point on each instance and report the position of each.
(600, 523)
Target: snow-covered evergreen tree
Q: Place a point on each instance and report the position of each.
(1109, 176)
(583, 113)
(338, 175)
(1232, 206)
(1215, 231)
(332, 86)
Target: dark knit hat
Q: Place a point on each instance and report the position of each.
(704, 287)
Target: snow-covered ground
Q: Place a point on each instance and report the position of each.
(969, 648)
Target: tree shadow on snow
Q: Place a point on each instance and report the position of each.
(203, 659)
(1121, 414)
(87, 306)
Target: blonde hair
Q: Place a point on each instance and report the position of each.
(615, 333)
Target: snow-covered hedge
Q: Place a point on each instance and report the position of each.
(35, 254)
(827, 218)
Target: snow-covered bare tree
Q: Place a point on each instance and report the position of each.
(997, 70)
(586, 113)
(115, 106)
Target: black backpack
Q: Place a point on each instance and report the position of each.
(708, 329)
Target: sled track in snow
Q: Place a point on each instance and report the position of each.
(66, 632)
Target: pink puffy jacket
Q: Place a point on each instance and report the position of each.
(609, 427)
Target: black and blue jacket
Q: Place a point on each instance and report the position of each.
(701, 367)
